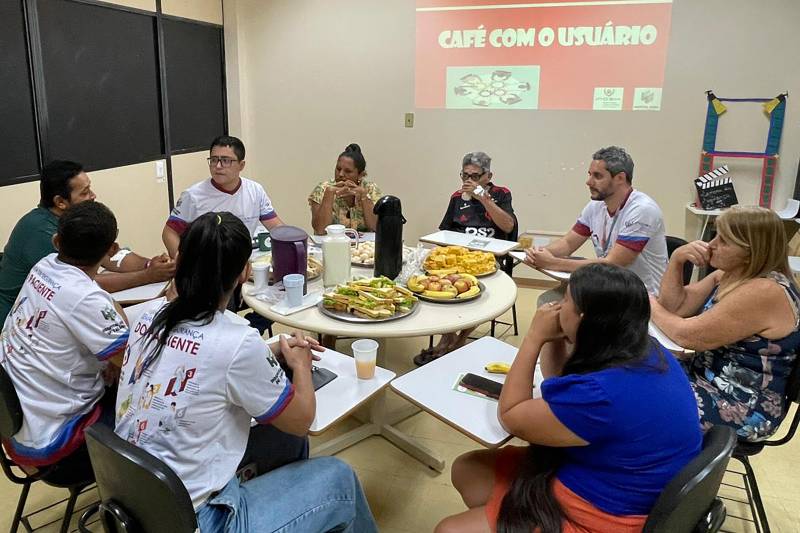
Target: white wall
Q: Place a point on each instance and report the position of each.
(314, 75)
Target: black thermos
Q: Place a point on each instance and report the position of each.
(389, 237)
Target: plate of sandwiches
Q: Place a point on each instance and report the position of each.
(368, 300)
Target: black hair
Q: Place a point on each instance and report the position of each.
(353, 151)
(55, 177)
(612, 333)
(617, 160)
(86, 231)
(211, 255)
(233, 143)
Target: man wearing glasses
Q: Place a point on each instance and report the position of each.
(225, 191)
(480, 207)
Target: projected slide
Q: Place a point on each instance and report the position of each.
(604, 55)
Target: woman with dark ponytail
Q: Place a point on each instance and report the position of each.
(615, 421)
(347, 198)
(194, 376)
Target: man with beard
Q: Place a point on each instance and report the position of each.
(626, 226)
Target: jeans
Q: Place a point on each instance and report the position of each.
(310, 496)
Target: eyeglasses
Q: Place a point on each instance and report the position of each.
(474, 177)
(225, 161)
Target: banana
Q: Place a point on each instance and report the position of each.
(472, 279)
(413, 284)
(497, 368)
(471, 292)
(442, 272)
(441, 295)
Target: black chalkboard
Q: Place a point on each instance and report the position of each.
(717, 197)
(195, 84)
(101, 84)
(17, 122)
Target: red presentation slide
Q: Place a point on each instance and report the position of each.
(606, 55)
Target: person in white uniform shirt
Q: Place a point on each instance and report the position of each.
(225, 190)
(58, 339)
(626, 226)
(193, 377)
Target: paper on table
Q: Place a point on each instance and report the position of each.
(665, 341)
(309, 300)
(449, 238)
(140, 294)
(555, 274)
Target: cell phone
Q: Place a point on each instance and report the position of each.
(483, 385)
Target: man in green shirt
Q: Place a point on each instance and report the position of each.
(64, 183)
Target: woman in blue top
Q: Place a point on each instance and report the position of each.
(599, 455)
(742, 321)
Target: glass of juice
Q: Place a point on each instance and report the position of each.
(365, 352)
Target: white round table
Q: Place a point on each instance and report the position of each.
(429, 319)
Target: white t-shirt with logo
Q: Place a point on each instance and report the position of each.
(60, 331)
(192, 405)
(637, 225)
(249, 202)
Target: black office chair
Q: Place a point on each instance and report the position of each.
(138, 493)
(744, 450)
(689, 503)
(74, 481)
(674, 243)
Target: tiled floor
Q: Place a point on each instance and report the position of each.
(406, 496)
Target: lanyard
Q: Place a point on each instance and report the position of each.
(606, 242)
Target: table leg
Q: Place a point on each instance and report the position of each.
(380, 423)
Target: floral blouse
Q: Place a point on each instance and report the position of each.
(350, 216)
(743, 385)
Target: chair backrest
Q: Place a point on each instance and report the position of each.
(690, 495)
(134, 484)
(674, 243)
(10, 409)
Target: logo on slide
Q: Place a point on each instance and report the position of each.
(513, 87)
(608, 98)
(647, 99)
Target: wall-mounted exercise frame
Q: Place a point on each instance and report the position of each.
(96, 82)
(776, 110)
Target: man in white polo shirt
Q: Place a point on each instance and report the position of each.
(58, 338)
(226, 190)
(626, 226)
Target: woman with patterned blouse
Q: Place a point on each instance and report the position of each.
(742, 320)
(346, 199)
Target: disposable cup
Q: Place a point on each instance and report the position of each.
(260, 275)
(541, 242)
(365, 352)
(293, 283)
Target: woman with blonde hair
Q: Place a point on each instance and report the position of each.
(742, 320)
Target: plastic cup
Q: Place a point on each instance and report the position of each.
(260, 275)
(293, 283)
(541, 242)
(365, 352)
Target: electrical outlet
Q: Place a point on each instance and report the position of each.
(161, 169)
(409, 120)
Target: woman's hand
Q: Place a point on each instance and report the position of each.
(545, 326)
(696, 252)
(356, 189)
(296, 340)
